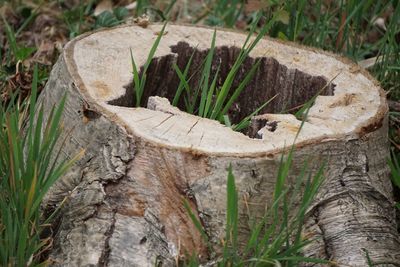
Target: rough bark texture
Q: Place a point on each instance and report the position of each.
(124, 197)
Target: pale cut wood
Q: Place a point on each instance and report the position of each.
(125, 195)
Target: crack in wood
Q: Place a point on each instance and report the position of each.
(164, 120)
(105, 254)
(326, 244)
(191, 127)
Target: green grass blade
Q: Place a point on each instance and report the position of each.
(154, 47)
(195, 221)
(298, 259)
(206, 75)
(139, 82)
(210, 95)
(244, 123)
(136, 80)
(183, 83)
(227, 121)
(230, 248)
(303, 111)
(11, 38)
(241, 86)
(245, 51)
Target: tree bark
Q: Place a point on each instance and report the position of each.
(124, 197)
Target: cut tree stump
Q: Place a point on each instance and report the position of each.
(124, 205)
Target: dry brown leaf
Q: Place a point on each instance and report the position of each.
(131, 6)
(104, 5)
(255, 5)
(19, 81)
(45, 53)
(143, 21)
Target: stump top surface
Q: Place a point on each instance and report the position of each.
(100, 66)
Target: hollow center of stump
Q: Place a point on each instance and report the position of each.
(293, 87)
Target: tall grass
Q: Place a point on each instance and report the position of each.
(141, 6)
(20, 53)
(345, 27)
(139, 78)
(28, 167)
(277, 239)
(387, 69)
(224, 12)
(221, 106)
(213, 102)
(207, 99)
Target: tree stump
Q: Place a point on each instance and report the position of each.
(125, 195)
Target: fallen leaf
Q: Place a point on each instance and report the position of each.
(380, 23)
(104, 5)
(45, 53)
(158, 33)
(131, 6)
(142, 21)
(255, 5)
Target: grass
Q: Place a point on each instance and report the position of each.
(28, 168)
(213, 101)
(224, 12)
(208, 100)
(141, 6)
(110, 19)
(220, 107)
(20, 53)
(387, 71)
(74, 19)
(277, 239)
(139, 79)
(345, 27)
